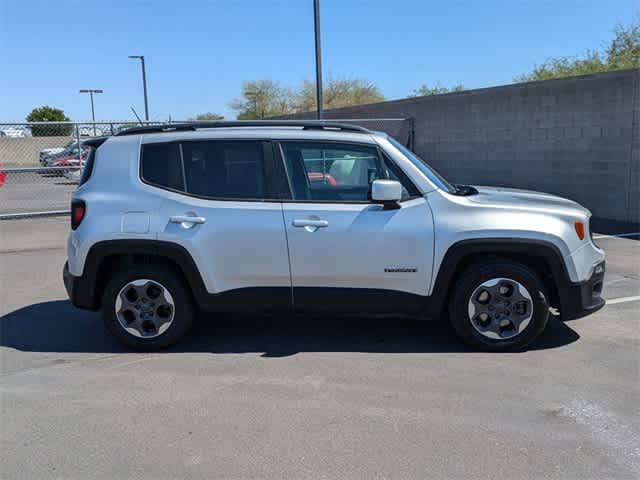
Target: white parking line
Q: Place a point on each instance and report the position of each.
(613, 301)
(634, 234)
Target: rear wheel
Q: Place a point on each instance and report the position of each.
(498, 306)
(147, 307)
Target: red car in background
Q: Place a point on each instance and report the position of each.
(71, 160)
(322, 177)
(68, 162)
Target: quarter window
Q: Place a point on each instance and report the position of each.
(161, 166)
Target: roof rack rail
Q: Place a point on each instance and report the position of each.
(192, 126)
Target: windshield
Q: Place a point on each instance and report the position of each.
(429, 172)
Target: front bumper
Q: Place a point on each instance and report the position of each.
(79, 290)
(583, 298)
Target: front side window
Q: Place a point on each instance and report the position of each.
(330, 172)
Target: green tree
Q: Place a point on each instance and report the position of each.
(426, 90)
(49, 114)
(208, 116)
(337, 92)
(261, 99)
(624, 49)
(622, 52)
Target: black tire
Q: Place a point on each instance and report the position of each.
(184, 310)
(476, 275)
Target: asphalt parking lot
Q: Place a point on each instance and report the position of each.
(313, 398)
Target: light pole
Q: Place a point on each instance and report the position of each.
(144, 85)
(316, 25)
(91, 91)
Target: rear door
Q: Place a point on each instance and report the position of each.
(219, 205)
(347, 253)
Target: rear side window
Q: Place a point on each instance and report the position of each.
(215, 169)
(224, 169)
(161, 166)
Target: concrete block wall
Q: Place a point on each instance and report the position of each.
(576, 137)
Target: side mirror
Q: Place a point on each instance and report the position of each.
(386, 192)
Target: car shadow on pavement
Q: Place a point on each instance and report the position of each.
(57, 326)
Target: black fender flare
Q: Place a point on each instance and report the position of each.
(459, 252)
(101, 251)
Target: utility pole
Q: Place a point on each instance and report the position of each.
(316, 25)
(91, 91)
(144, 84)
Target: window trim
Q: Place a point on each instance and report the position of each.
(379, 163)
(261, 143)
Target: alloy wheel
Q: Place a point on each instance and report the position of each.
(145, 308)
(500, 308)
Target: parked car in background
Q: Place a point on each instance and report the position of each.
(13, 132)
(91, 131)
(69, 151)
(48, 152)
(73, 164)
(68, 162)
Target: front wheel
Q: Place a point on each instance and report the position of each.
(147, 307)
(499, 305)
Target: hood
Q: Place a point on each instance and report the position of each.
(512, 197)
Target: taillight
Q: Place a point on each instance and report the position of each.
(78, 209)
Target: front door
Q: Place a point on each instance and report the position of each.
(347, 253)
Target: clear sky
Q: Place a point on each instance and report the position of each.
(199, 52)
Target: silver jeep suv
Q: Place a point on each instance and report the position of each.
(308, 216)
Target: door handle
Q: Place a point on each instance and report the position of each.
(305, 222)
(187, 221)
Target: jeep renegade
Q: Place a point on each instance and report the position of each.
(311, 216)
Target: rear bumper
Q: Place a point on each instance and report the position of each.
(79, 290)
(584, 298)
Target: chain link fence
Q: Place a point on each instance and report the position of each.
(36, 191)
(41, 162)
